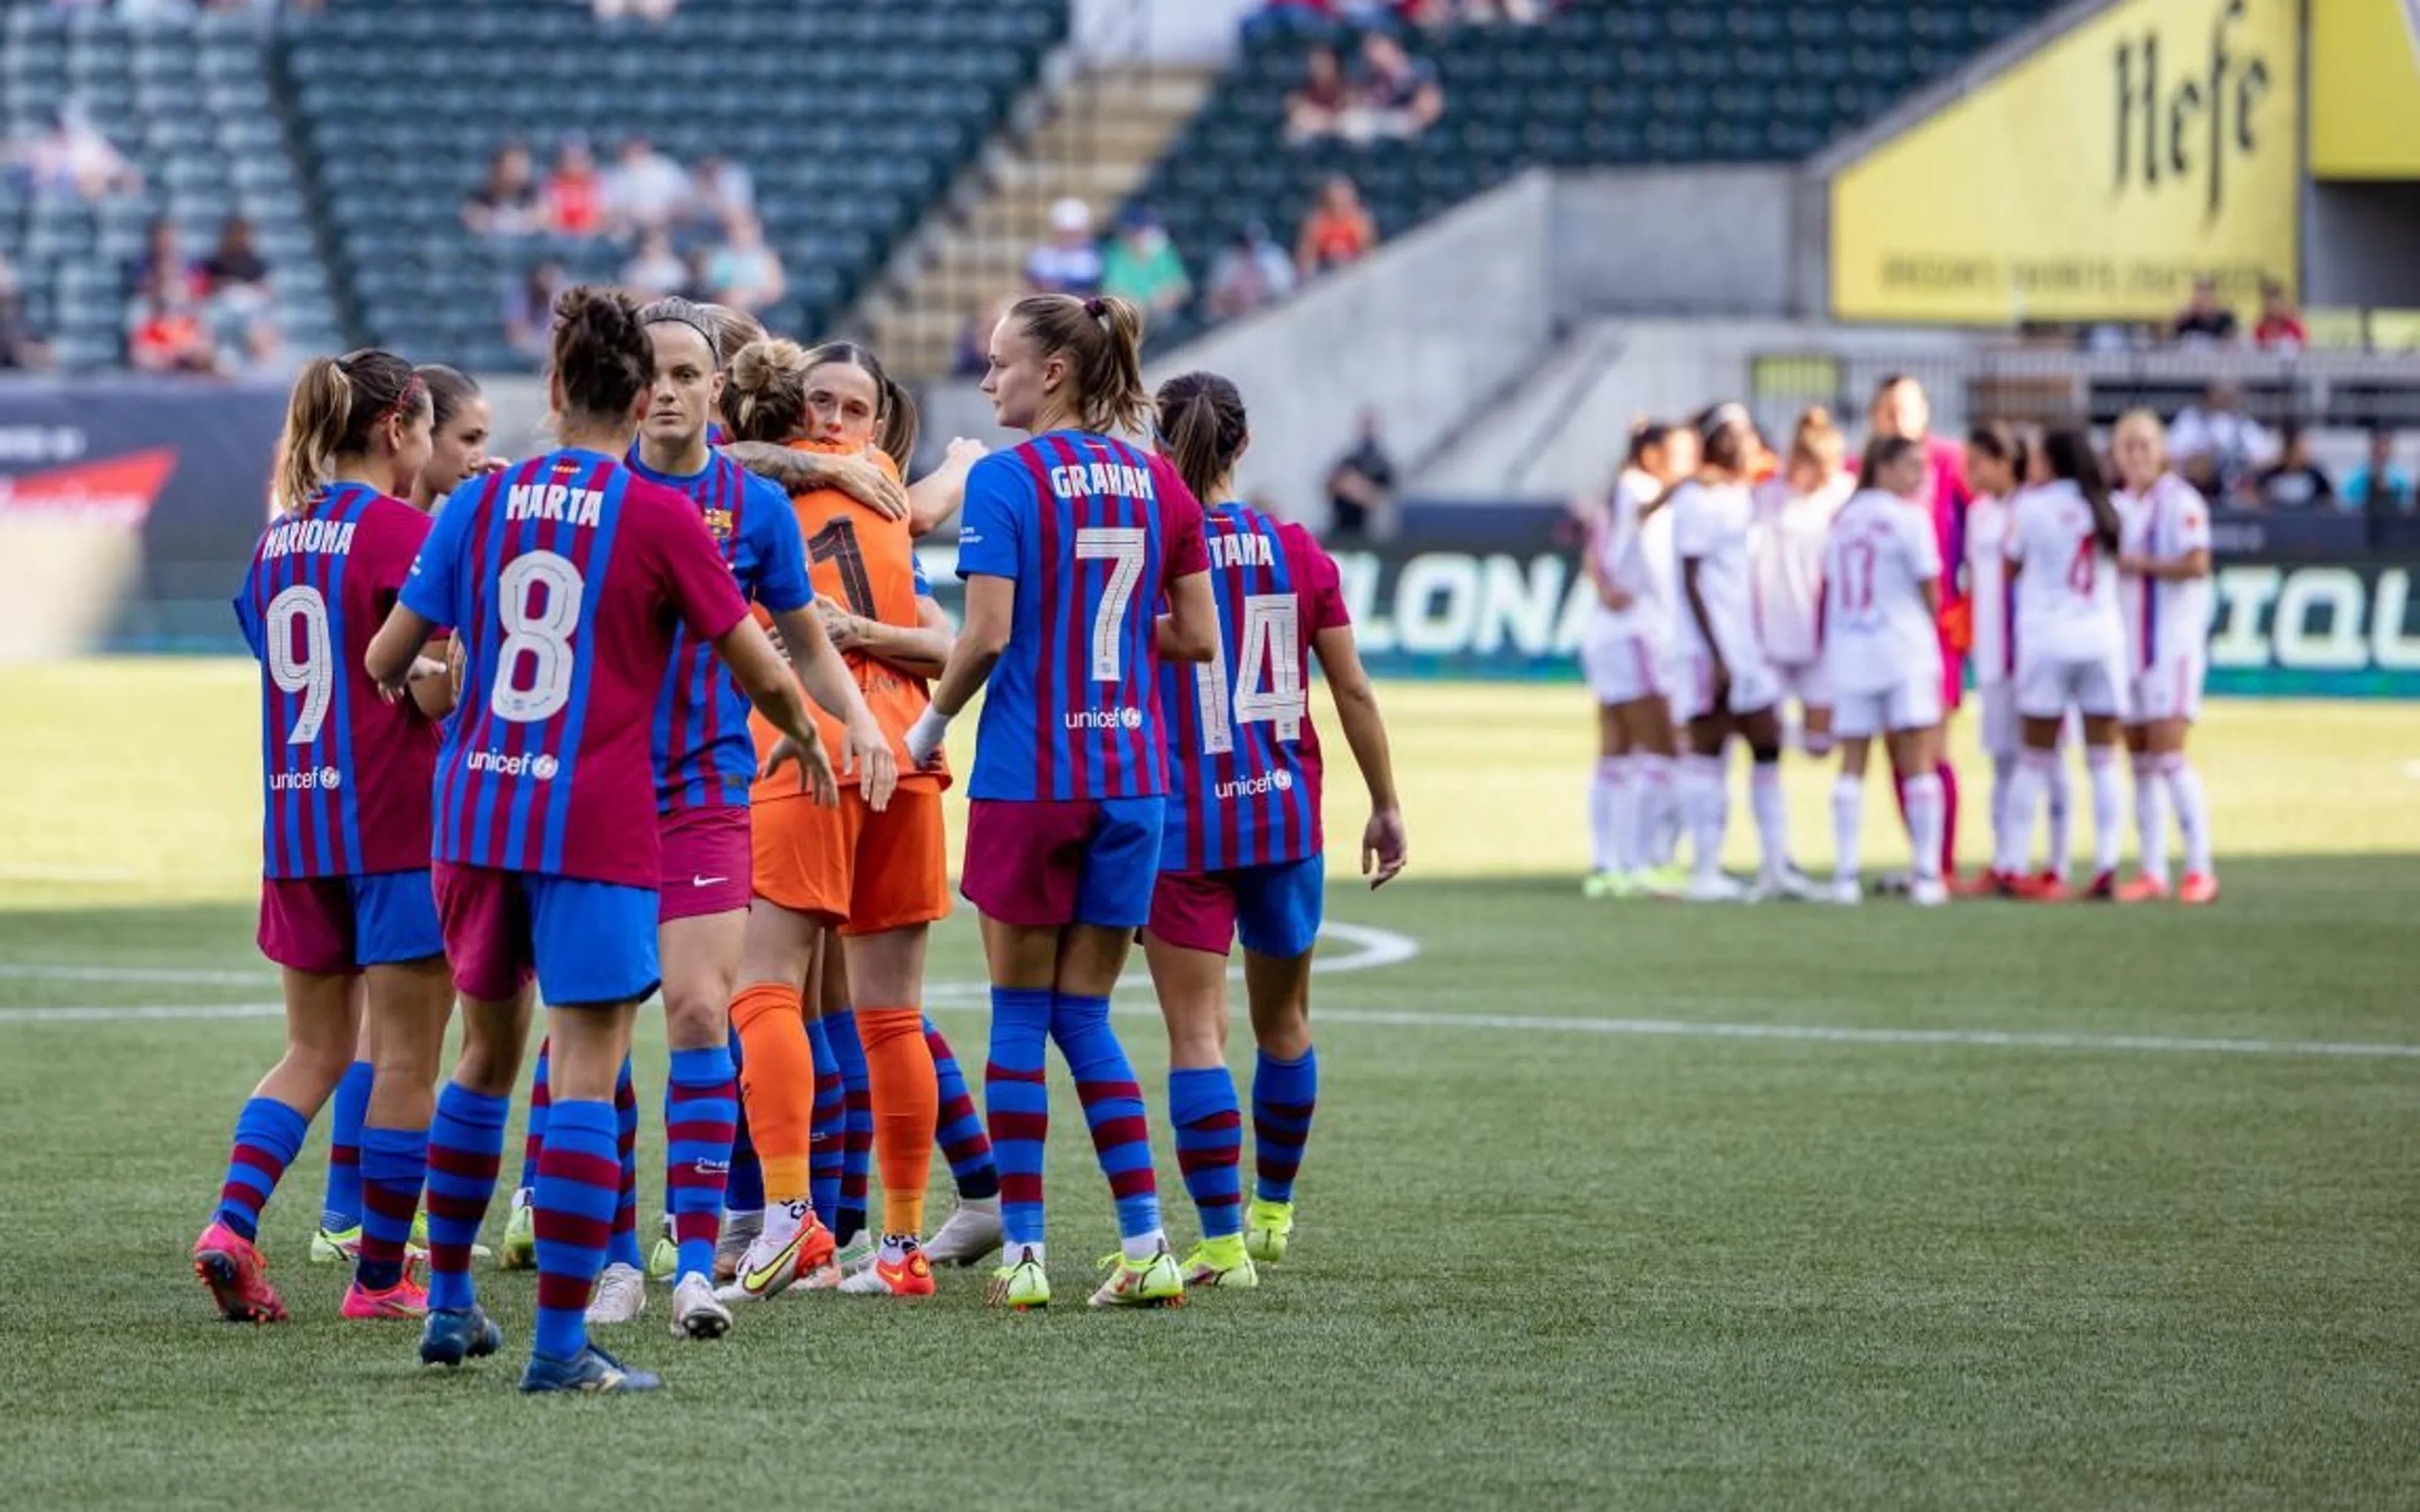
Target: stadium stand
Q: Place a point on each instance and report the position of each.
(851, 117)
(1603, 83)
(189, 103)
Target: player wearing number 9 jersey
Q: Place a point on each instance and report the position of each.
(1070, 542)
(564, 578)
(1242, 854)
(345, 776)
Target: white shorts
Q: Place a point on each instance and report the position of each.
(1622, 667)
(2049, 686)
(1806, 682)
(1754, 689)
(2171, 689)
(1913, 704)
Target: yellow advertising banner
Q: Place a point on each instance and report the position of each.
(2366, 88)
(2092, 180)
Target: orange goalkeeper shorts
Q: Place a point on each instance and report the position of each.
(849, 866)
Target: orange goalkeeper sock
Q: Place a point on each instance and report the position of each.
(907, 1110)
(777, 1085)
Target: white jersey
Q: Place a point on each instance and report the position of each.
(1710, 526)
(2165, 619)
(1878, 634)
(2067, 586)
(1618, 546)
(1989, 590)
(1786, 566)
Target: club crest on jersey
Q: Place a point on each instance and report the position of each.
(719, 523)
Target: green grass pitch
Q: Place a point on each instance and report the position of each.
(1609, 1205)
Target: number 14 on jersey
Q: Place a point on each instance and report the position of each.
(1268, 688)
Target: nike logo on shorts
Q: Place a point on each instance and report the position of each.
(697, 881)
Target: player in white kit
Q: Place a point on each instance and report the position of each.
(1728, 685)
(2001, 462)
(1793, 518)
(2164, 590)
(1882, 653)
(1626, 653)
(2063, 541)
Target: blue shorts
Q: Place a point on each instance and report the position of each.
(1048, 864)
(333, 926)
(1276, 910)
(587, 941)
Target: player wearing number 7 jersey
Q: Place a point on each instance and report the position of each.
(564, 578)
(1242, 855)
(345, 774)
(1071, 541)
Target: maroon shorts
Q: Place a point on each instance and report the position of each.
(336, 926)
(1044, 865)
(708, 860)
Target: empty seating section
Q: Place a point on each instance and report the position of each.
(190, 103)
(851, 117)
(1603, 83)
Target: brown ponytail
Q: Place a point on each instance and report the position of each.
(764, 394)
(2070, 456)
(336, 403)
(1201, 430)
(1882, 451)
(601, 353)
(733, 329)
(1102, 338)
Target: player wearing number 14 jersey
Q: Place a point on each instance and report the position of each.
(1241, 855)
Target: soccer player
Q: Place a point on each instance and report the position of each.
(458, 438)
(1730, 686)
(564, 578)
(345, 774)
(1242, 854)
(2001, 462)
(860, 884)
(1070, 541)
(1882, 604)
(2164, 584)
(2062, 550)
(1792, 520)
(1624, 654)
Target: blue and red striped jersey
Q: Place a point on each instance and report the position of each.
(344, 773)
(703, 756)
(563, 579)
(1243, 754)
(1092, 530)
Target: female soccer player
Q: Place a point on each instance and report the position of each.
(1881, 654)
(1241, 853)
(1624, 654)
(458, 438)
(871, 877)
(2001, 462)
(1786, 543)
(2062, 550)
(1070, 541)
(345, 776)
(563, 576)
(1730, 685)
(2165, 583)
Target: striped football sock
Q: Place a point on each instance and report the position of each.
(830, 1113)
(624, 1248)
(1209, 1145)
(267, 1135)
(701, 1112)
(1104, 1084)
(1017, 1098)
(466, 1146)
(578, 1182)
(964, 1143)
(1285, 1094)
(745, 1190)
(341, 1208)
(395, 1164)
(535, 1138)
(857, 1123)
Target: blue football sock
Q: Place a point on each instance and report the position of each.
(341, 1208)
(466, 1147)
(1105, 1082)
(267, 1135)
(1284, 1095)
(579, 1183)
(1209, 1146)
(1016, 1096)
(701, 1108)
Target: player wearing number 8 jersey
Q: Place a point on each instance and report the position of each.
(1071, 540)
(562, 576)
(1242, 853)
(346, 779)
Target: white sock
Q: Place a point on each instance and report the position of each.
(2108, 806)
(1926, 801)
(2151, 819)
(1652, 815)
(2004, 771)
(2193, 813)
(2025, 789)
(1765, 796)
(2062, 817)
(1143, 1248)
(1608, 795)
(1705, 807)
(1020, 1253)
(1848, 825)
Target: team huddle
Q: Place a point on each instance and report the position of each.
(1733, 585)
(664, 707)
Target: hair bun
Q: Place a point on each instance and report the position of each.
(1096, 307)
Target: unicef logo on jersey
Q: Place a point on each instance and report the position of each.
(1128, 718)
(309, 779)
(1279, 780)
(541, 766)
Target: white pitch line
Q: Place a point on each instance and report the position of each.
(192, 976)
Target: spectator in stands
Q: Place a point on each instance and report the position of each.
(719, 189)
(1143, 265)
(2378, 486)
(655, 269)
(2281, 328)
(162, 264)
(167, 338)
(2204, 322)
(1361, 486)
(1318, 108)
(1337, 231)
(973, 356)
(2296, 481)
(1399, 97)
(1253, 271)
(1068, 263)
(20, 345)
(574, 196)
(744, 272)
(234, 265)
(507, 202)
(644, 188)
(529, 308)
(2219, 448)
(74, 158)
